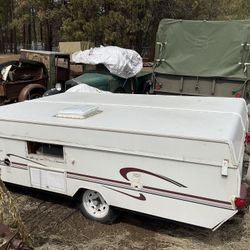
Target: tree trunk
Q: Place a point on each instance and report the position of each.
(24, 36)
(48, 44)
(11, 41)
(29, 31)
(1, 40)
(15, 41)
(41, 34)
(34, 27)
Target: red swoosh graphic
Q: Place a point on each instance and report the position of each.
(124, 172)
(141, 197)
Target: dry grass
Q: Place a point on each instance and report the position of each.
(55, 223)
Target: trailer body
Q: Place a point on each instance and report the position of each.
(179, 160)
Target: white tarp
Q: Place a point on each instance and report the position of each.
(125, 63)
(84, 88)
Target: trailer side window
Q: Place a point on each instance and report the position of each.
(39, 148)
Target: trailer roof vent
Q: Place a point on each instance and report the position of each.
(78, 112)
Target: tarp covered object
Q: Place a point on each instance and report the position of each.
(84, 88)
(124, 63)
(203, 48)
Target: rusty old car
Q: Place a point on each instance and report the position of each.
(31, 75)
(21, 80)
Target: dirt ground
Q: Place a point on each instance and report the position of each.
(54, 222)
(8, 57)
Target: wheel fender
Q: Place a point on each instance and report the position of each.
(23, 95)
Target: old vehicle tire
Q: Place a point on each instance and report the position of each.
(146, 87)
(36, 93)
(120, 90)
(94, 207)
(31, 91)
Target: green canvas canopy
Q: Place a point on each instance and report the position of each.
(203, 48)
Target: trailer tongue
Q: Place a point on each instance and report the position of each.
(178, 158)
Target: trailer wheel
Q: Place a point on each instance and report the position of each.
(94, 207)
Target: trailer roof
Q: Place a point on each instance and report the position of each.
(203, 118)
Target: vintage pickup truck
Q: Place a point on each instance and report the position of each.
(111, 69)
(99, 77)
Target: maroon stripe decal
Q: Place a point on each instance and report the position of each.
(124, 172)
(147, 189)
(18, 156)
(187, 195)
(141, 197)
(99, 178)
(20, 164)
(19, 167)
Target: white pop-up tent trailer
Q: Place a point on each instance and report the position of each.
(178, 158)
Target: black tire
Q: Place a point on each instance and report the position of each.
(34, 94)
(98, 211)
(146, 88)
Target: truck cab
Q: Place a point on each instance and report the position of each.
(21, 80)
(57, 64)
(98, 76)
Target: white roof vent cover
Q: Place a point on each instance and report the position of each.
(78, 112)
